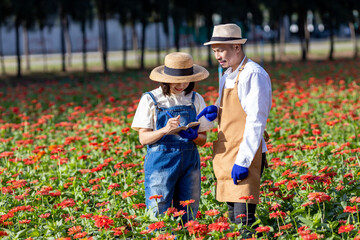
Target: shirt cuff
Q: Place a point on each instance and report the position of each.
(242, 161)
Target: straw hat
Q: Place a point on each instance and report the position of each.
(178, 68)
(226, 34)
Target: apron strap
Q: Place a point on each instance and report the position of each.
(240, 70)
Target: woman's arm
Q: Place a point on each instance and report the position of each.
(148, 136)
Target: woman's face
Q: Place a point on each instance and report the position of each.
(177, 88)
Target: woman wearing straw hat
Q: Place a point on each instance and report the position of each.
(172, 162)
(244, 104)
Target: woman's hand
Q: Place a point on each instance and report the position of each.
(172, 124)
(148, 136)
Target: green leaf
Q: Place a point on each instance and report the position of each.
(34, 233)
(295, 212)
(307, 222)
(20, 233)
(317, 218)
(258, 221)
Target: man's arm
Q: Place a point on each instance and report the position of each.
(256, 101)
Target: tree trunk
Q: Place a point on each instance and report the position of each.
(209, 26)
(301, 23)
(43, 49)
(157, 34)
(190, 40)
(83, 33)
(62, 40)
(105, 52)
(331, 52)
(135, 42)
(26, 46)
(353, 39)
(273, 49)
(177, 37)
(17, 42)
(255, 40)
(124, 45)
(3, 71)
(102, 44)
(167, 43)
(176, 20)
(307, 36)
(103, 34)
(67, 41)
(282, 39)
(143, 37)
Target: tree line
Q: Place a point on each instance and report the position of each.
(27, 14)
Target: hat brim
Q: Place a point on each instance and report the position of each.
(241, 41)
(199, 73)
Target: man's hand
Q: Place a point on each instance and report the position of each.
(210, 113)
(190, 133)
(239, 173)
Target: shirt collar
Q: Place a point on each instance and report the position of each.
(232, 74)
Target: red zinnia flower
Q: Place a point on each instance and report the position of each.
(81, 235)
(120, 231)
(45, 215)
(170, 211)
(319, 196)
(74, 230)
(287, 226)
(26, 221)
(179, 213)
(246, 198)
(263, 229)
(233, 234)
(212, 212)
(187, 202)
(350, 209)
(277, 214)
(125, 130)
(219, 226)
(156, 225)
(129, 193)
(103, 221)
(156, 197)
(346, 228)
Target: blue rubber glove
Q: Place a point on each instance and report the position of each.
(210, 113)
(190, 133)
(239, 173)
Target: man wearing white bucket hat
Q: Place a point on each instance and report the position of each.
(244, 104)
(172, 162)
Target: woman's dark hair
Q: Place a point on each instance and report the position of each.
(166, 88)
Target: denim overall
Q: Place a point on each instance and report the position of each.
(172, 165)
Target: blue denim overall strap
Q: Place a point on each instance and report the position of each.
(172, 165)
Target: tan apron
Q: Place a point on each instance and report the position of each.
(231, 119)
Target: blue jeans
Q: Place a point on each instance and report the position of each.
(172, 169)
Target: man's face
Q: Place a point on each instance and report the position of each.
(227, 54)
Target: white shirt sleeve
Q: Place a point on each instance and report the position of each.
(255, 98)
(144, 115)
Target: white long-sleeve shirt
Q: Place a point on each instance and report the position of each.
(255, 95)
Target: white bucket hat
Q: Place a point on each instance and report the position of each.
(178, 68)
(226, 34)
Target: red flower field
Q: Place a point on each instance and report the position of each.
(71, 167)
